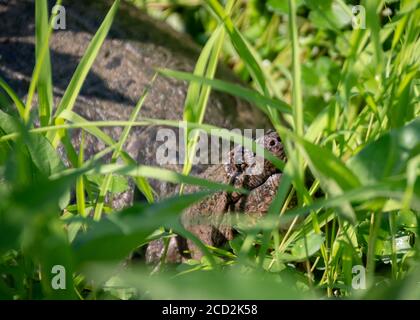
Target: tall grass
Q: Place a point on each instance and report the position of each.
(346, 104)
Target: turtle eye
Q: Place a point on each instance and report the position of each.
(272, 143)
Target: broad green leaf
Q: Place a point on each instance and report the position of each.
(281, 6)
(300, 251)
(328, 167)
(8, 124)
(332, 174)
(118, 183)
(387, 156)
(42, 153)
(318, 4)
(46, 243)
(332, 16)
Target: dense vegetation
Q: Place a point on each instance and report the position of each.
(345, 102)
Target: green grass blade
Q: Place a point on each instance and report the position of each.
(249, 95)
(80, 188)
(246, 52)
(372, 22)
(44, 87)
(209, 129)
(240, 44)
(148, 172)
(104, 188)
(114, 238)
(13, 95)
(192, 111)
(79, 76)
(42, 52)
(198, 95)
(296, 74)
(141, 183)
(297, 105)
(332, 173)
(327, 164)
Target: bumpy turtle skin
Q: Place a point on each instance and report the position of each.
(208, 220)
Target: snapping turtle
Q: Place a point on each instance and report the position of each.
(135, 46)
(208, 219)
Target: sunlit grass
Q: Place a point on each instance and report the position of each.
(346, 105)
